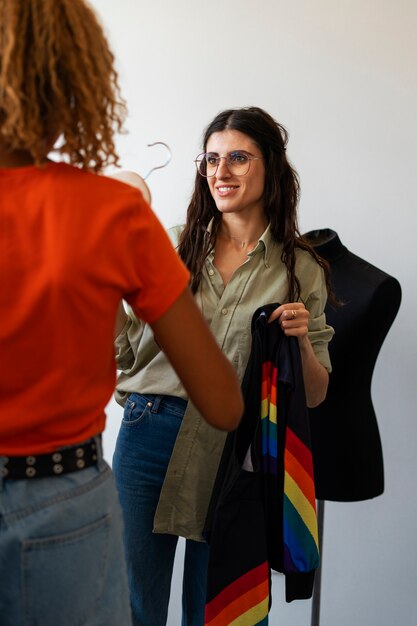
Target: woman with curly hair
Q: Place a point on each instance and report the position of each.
(242, 245)
(72, 245)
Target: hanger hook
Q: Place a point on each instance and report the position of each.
(168, 159)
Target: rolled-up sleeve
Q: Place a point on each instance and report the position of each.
(319, 332)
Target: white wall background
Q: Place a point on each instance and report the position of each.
(341, 75)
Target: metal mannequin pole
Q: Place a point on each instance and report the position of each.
(315, 605)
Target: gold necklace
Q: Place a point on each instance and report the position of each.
(242, 243)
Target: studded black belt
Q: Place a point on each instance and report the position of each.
(62, 461)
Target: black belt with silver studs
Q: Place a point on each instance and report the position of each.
(63, 461)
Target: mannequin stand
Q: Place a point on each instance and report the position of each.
(315, 605)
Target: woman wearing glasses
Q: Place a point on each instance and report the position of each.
(242, 246)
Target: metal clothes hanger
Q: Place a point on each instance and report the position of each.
(168, 159)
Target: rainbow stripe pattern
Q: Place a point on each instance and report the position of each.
(245, 602)
(300, 533)
(264, 519)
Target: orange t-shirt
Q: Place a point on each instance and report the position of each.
(72, 244)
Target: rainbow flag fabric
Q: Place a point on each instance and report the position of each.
(264, 518)
(292, 458)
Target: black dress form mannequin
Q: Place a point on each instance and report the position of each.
(347, 452)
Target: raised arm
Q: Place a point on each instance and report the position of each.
(134, 180)
(207, 375)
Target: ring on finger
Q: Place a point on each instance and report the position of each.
(294, 314)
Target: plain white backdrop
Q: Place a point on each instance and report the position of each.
(341, 75)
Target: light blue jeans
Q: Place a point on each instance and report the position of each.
(61, 551)
(144, 446)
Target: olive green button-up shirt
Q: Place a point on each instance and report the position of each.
(261, 279)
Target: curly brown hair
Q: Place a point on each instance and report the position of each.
(57, 78)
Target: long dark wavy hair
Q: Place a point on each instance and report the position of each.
(280, 196)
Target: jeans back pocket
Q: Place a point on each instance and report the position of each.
(63, 575)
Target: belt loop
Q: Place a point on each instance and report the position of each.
(99, 447)
(156, 403)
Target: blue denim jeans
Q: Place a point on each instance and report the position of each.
(61, 551)
(144, 446)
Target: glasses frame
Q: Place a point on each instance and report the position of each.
(201, 156)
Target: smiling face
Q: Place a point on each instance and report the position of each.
(233, 193)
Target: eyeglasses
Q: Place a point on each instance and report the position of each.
(238, 163)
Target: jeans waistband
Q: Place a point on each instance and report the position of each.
(158, 402)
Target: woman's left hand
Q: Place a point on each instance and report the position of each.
(293, 319)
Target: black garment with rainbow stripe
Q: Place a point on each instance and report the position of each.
(266, 518)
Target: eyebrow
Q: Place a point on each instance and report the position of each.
(230, 152)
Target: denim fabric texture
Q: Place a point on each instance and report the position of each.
(143, 449)
(61, 551)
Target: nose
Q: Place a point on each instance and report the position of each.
(222, 170)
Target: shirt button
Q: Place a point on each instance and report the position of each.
(211, 272)
(224, 311)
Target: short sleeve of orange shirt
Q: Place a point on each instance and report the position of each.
(154, 274)
(72, 245)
